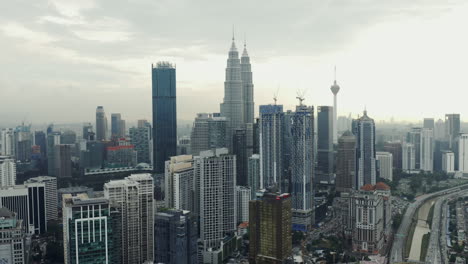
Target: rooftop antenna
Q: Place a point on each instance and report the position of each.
(232, 32)
(335, 73)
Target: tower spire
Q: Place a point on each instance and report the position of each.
(335, 74)
(245, 40)
(233, 33)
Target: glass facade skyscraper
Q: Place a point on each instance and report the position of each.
(164, 114)
(325, 144)
(364, 130)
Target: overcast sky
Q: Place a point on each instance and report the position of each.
(402, 59)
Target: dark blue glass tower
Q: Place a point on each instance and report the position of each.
(164, 114)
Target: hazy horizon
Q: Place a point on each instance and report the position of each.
(63, 59)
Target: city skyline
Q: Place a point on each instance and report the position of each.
(102, 64)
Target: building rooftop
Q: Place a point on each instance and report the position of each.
(6, 213)
(368, 187)
(382, 186)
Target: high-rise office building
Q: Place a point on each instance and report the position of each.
(232, 106)
(215, 174)
(427, 150)
(7, 171)
(448, 161)
(463, 153)
(133, 198)
(408, 157)
(395, 148)
(271, 145)
(101, 124)
(12, 238)
(62, 160)
(123, 129)
(37, 207)
(209, 131)
(364, 130)
(40, 140)
(117, 126)
(50, 194)
(335, 88)
(175, 235)
(140, 138)
(414, 137)
(7, 142)
(68, 137)
(429, 123)
(15, 198)
(254, 174)
(302, 167)
(440, 146)
(247, 87)
(23, 144)
(385, 165)
(422, 140)
(116, 123)
(179, 183)
(270, 228)
(92, 157)
(325, 159)
(439, 130)
(452, 129)
(90, 230)
(239, 148)
(346, 162)
(243, 197)
(164, 114)
(88, 133)
(53, 139)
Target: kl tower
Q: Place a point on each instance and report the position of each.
(335, 88)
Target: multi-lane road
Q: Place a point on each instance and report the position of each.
(399, 242)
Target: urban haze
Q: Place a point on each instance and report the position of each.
(208, 132)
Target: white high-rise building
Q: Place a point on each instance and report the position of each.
(385, 164)
(133, 197)
(463, 153)
(179, 180)
(427, 150)
(7, 142)
(215, 173)
(448, 161)
(408, 157)
(50, 194)
(7, 171)
(243, 198)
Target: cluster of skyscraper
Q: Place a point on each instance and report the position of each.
(233, 172)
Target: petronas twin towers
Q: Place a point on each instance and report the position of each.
(238, 104)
